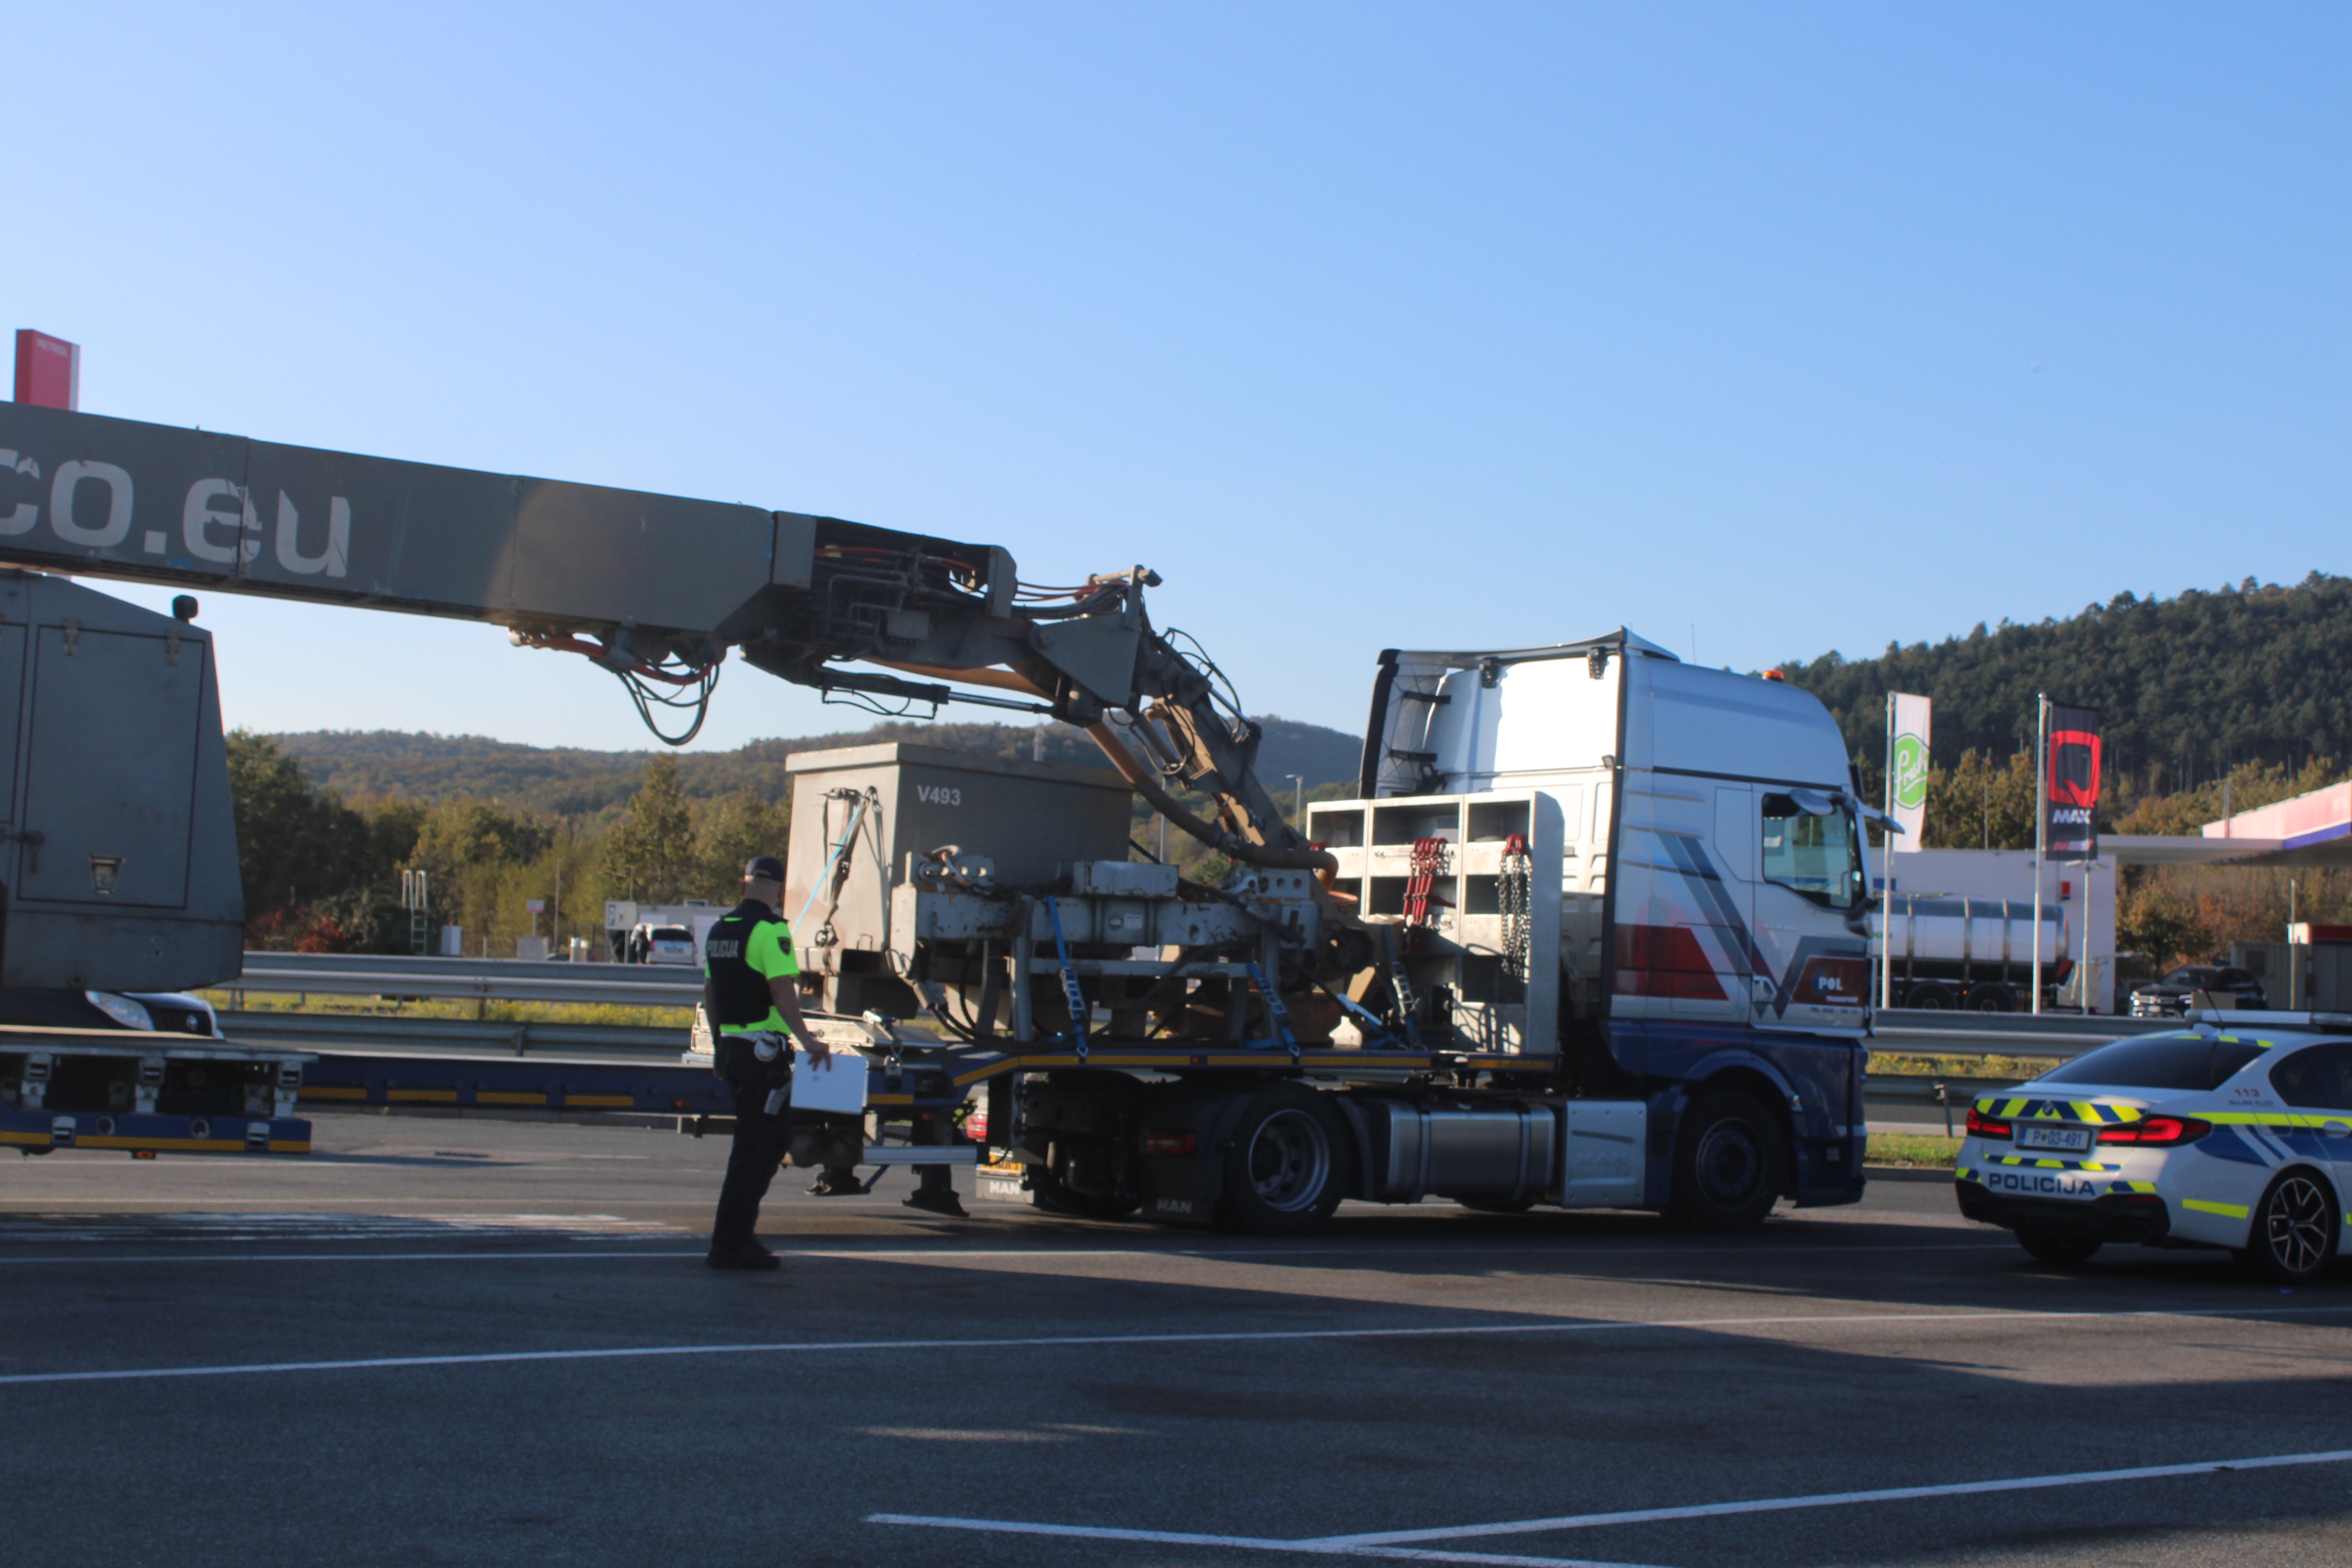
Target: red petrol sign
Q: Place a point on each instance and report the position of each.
(49, 370)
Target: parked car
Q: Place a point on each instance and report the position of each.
(2237, 1137)
(663, 944)
(2169, 997)
(167, 1011)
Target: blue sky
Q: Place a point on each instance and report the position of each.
(1767, 330)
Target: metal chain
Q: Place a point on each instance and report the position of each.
(1515, 890)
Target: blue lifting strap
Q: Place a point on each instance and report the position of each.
(1276, 1010)
(1078, 998)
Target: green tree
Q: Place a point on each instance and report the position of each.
(734, 828)
(459, 834)
(1979, 804)
(649, 856)
(295, 843)
(2159, 922)
(473, 852)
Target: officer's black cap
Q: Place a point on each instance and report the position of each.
(763, 868)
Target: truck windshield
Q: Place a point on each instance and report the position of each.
(1812, 854)
(2186, 1061)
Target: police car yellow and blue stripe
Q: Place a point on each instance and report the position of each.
(2186, 1166)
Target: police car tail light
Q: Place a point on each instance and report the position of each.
(1983, 1126)
(2158, 1130)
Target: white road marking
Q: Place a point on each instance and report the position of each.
(1397, 1542)
(847, 1254)
(1840, 1499)
(315, 1226)
(1265, 1336)
(537, 1255)
(1245, 1543)
(1859, 1250)
(965, 1434)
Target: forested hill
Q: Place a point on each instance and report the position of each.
(573, 782)
(2188, 686)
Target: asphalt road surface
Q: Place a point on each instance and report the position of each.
(473, 1342)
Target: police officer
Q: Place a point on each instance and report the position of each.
(751, 990)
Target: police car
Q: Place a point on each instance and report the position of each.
(2235, 1134)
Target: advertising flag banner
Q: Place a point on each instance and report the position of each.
(1907, 769)
(2072, 794)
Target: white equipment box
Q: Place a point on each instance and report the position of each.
(838, 1085)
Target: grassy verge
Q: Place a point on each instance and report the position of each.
(1922, 1148)
(2016, 1069)
(680, 1018)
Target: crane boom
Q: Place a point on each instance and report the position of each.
(658, 589)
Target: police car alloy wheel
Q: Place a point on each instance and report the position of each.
(2293, 1236)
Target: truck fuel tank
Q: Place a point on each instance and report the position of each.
(1507, 1152)
(1503, 1150)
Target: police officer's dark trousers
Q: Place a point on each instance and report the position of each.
(762, 1141)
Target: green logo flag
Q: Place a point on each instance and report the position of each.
(1907, 765)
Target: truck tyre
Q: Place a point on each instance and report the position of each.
(1989, 997)
(1728, 1160)
(1928, 996)
(2058, 1247)
(1286, 1164)
(2291, 1239)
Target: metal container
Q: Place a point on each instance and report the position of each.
(1467, 1151)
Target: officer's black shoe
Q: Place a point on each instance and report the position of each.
(833, 1184)
(750, 1255)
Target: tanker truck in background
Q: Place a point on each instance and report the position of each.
(1977, 954)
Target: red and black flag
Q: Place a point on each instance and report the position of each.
(2071, 795)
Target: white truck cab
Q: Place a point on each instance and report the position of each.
(1704, 831)
(1712, 865)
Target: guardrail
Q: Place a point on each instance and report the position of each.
(2061, 1036)
(1945, 1096)
(454, 1037)
(472, 979)
(1899, 1031)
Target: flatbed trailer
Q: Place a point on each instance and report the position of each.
(148, 1093)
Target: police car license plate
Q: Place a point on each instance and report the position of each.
(2070, 1140)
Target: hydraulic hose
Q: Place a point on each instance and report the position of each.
(1002, 679)
(1145, 782)
(1208, 833)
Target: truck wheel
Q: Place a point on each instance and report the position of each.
(2057, 1246)
(1728, 1162)
(2293, 1239)
(1987, 997)
(1286, 1165)
(1930, 997)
